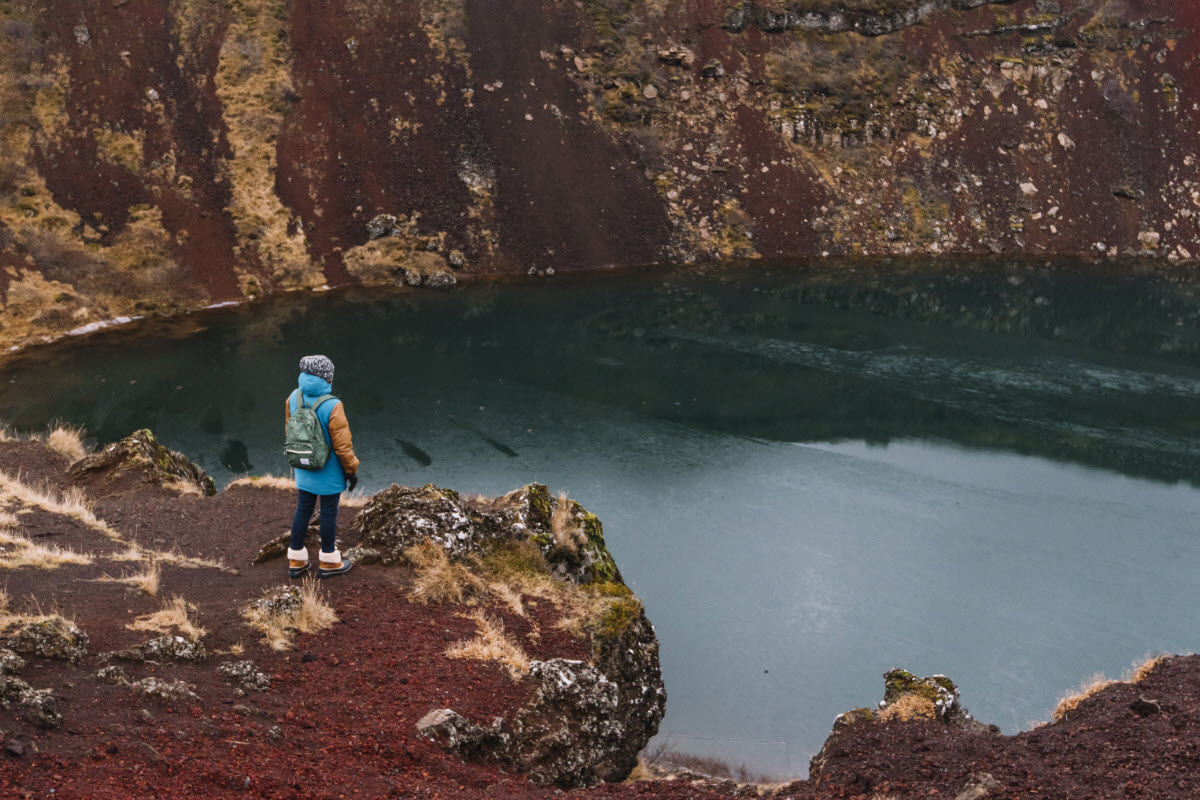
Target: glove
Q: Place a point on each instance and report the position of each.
(352, 481)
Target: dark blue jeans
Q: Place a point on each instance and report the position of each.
(305, 504)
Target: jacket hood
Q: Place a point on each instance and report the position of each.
(312, 386)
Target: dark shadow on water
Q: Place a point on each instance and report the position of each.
(1091, 364)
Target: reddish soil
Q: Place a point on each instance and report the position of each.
(338, 719)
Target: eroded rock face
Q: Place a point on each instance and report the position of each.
(585, 721)
(580, 727)
(141, 454)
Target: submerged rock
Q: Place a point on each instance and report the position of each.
(141, 455)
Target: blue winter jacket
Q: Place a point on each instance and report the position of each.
(332, 478)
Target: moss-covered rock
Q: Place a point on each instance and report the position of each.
(141, 455)
(937, 689)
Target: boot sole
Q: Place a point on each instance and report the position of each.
(330, 573)
(297, 573)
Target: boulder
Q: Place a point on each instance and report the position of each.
(141, 457)
(36, 706)
(49, 638)
(165, 648)
(164, 690)
(245, 675)
(10, 662)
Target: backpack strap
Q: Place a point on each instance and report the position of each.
(320, 400)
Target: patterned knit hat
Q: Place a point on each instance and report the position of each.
(320, 366)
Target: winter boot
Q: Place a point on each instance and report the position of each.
(333, 564)
(297, 563)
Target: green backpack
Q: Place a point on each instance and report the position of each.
(305, 442)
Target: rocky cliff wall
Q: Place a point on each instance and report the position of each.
(159, 155)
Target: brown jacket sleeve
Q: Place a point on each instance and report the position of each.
(343, 445)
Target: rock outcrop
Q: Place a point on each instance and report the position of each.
(549, 136)
(585, 721)
(140, 459)
(570, 538)
(905, 697)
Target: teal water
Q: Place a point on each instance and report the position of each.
(809, 475)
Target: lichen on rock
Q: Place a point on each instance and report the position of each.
(53, 637)
(245, 676)
(164, 690)
(165, 648)
(10, 662)
(141, 454)
(33, 705)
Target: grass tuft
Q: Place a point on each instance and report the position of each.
(1088, 688)
(264, 482)
(568, 535)
(67, 440)
(174, 615)
(437, 579)
(279, 622)
(71, 503)
(909, 707)
(148, 580)
(492, 644)
(1142, 671)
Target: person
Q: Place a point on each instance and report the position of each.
(327, 483)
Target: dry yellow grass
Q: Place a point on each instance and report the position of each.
(175, 615)
(135, 552)
(313, 615)
(1142, 671)
(148, 580)
(8, 617)
(492, 644)
(264, 482)
(438, 580)
(181, 486)
(910, 706)
(67, 440)
(1072, 701)
(72, 503)
(567, 534)
(18, 551)
(253, 81)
